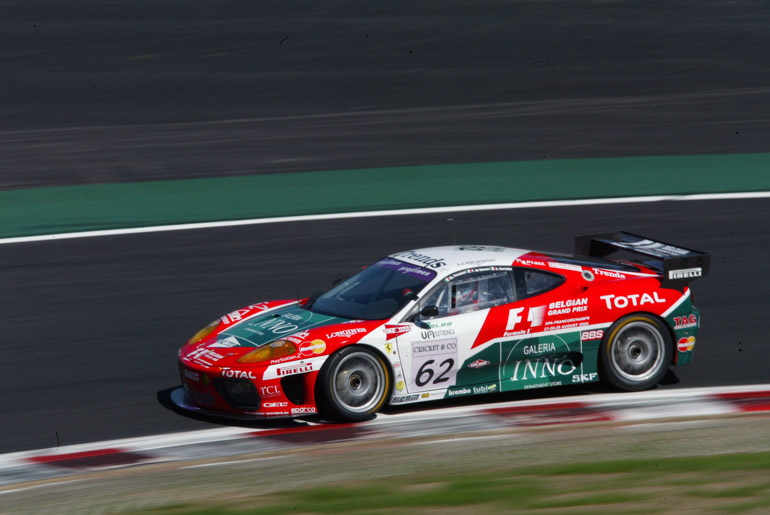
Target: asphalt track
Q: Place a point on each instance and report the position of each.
(97, 92)
(109, 92)
(91, 326)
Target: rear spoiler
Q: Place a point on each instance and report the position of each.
(678, 264)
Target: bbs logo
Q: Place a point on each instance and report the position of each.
(598, 334)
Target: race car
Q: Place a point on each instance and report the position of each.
(452, 321)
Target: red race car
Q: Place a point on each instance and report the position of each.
(452, 321)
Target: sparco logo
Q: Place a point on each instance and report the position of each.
(685, 273)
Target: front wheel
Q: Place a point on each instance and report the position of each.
(635, 352)
(353, 384)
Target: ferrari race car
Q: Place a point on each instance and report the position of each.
(453, 321)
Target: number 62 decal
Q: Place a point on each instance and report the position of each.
(433, 365)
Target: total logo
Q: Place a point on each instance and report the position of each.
(313, 347)
(686, 344)
(237, 374)
(622, 301)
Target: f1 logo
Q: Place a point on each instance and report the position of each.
(514, 317)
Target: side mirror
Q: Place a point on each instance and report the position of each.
(429, 312)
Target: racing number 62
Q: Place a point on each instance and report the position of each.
(426, 372)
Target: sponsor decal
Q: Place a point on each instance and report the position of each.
(539, 348)
(407, 269)
(194, 376)
(685, 321)
(275, 404)
(230, 341)
(204, 356)
(591, 335)
(269, 391)
(434, 364)
(400, 385)
(303, 410)
(535, 317)
(476, 262)
(585, 378)
(653, 247)
(425, 395)
(428, 261)
(529, 262)
(310, 348)
(514, 317)
(564, 307)
(391, 331)
(276, 326)
(296, 369)
(237, 374)
(261, 306)
(487, 388)
(542, 368)
(686, 344)
(435, 325)
(622, 301)
(457, 392)
(405, 398)
(479, 363)
(565, 266)
(346, 333)
(436, 333)
(685, 273)
(481, 248)
(608, 273)
(388, 348)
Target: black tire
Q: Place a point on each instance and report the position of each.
(353, 385)
(635, 352)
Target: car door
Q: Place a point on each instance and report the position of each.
(442, 347)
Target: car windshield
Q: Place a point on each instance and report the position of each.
(376, 293)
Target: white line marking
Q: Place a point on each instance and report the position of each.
(391, 212)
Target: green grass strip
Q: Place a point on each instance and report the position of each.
(109, 206)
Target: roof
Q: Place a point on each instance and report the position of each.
(460, 256)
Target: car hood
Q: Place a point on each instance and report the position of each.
(275, 325)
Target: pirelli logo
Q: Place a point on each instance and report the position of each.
(685, 273)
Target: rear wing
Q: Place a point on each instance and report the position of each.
(678, 264)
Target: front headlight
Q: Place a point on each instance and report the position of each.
(275, 350)
(203, 333)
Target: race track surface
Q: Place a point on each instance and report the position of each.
(92, 332)
(123, 91)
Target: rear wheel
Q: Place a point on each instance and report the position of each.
(353, 384)
(635, 353)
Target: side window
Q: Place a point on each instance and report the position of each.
(471, 292)
(534, 282)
